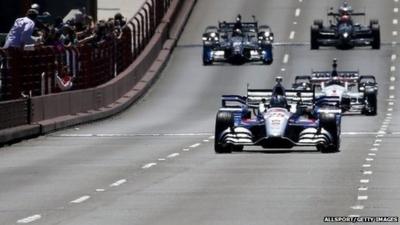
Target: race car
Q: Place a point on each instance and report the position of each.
(276, 118)
(345, 33)
(357, 93)
(237, 43)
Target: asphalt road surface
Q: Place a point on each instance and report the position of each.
(155, 165)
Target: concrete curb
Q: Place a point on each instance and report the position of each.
(179, 18)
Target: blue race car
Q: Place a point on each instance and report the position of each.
(277, 118)
(237, 43)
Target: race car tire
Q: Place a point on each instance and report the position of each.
(268, 61)
(224, 120)
(314, 37)
(376, 36)
(328, 122)
(237, 148)
(318, 23)
(372, 99)
(207, 60)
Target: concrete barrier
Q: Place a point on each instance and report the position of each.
(57, 111)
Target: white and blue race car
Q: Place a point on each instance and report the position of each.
(277, 118)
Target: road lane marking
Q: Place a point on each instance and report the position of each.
(285, 59)
(186, 150)
(30, 219)
(100, 190)
(149, 165)
(363, 188)
(80, 199)
(391, 88)
(118, 183)
(378, 140)
(392, 68)
(206, 140)
(367, 172)
(195, 145)
(362, 197)
(283, 69)
(364, 181)
(173, 155)
(357, 207)
(371, 154)
(394, 57)
(366, 165)
(395, 21)
(369, 159)
(292, 33)
(161, 159)
(395, 10)
(374, 149)
(394, 33)
(297, 12)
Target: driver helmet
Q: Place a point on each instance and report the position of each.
(237, 32)
(335, 80)
(278, 101)
(345, 9)
(238, 18)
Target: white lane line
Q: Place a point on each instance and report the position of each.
(362, 197)
(377, 144)
(195, 145)
(394, 57)
(378, 140)
(161, 159)
(394, 33)
(394, 43)
(292, 33)
(391, 103)
(395, 21)
(392, 68)
(283, 69)
(388, 114)
(367, 172)
(81, 199)
(369, 159)
(149, 165)
(391, 88)
(206, 140)
(300, 0)
(118, 183)
(364, 181)
(294, 22)
(186, 150)
(371, 154)
(357, 207)
(100, 190)
(297, 12)
(396, 0)
(395, 10)
(173, 155)
(363, 188)
(366, 165)
(30, 219)
(380, 135)
(390, 109)
(354, 215)
(285, 59)
(211, 137)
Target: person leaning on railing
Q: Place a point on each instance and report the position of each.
(21, 32)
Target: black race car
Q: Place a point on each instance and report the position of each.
(345, 33)
(237, 42)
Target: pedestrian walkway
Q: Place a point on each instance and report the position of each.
(108, 8)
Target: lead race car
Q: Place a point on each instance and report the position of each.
(345, 33)
(238, 42)
(357, 93)
(276, 118)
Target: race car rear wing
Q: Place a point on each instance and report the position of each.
(255, 96)
(246, 26)
(318, 77)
